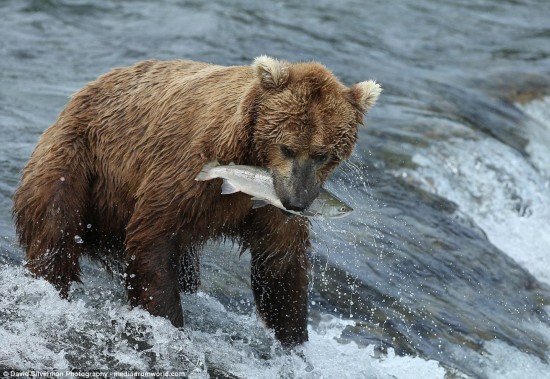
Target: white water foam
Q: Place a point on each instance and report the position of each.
(41, 331)
(538, 130)
(503, 361)
(508, 196)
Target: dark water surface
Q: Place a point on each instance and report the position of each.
(449, 178)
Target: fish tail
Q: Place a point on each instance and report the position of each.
(205, 174)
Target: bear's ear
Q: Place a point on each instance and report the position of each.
(271, 72)
(365, 94)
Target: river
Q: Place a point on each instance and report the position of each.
(442, 271)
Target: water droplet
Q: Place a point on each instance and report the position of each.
(89, 226)
(78, 239)
(133, 257)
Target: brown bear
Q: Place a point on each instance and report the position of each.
(113, 177)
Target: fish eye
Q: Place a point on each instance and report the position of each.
(288, 152)
(342, 209)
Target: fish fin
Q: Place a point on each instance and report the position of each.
(228, 188)
(204, 174)
(258, 203)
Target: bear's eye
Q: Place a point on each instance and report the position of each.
(320, 157)
(288, 152)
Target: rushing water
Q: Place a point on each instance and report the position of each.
(444, 267)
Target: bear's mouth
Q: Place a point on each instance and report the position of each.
(287, 213)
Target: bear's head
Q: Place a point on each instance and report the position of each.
(306, 123)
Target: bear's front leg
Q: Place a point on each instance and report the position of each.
(152, 273)
(279, 272)
(281, 298)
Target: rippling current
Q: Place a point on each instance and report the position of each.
(443, 270)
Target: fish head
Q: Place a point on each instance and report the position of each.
(339, 209)
(327, 205)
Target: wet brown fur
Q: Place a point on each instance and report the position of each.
(117, 169)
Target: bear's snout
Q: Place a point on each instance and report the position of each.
(295, 206)
(299, 187)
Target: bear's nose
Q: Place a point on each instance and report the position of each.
(296, 206)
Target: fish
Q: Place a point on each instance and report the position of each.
(258, 183)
